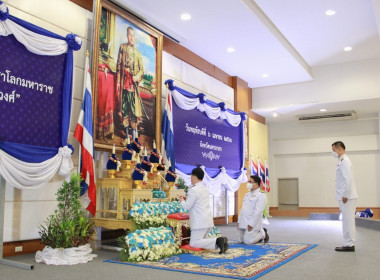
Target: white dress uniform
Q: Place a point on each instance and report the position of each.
(251, 214)
(345, 187)
(201, 221)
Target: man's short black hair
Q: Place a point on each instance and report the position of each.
(338, 144)
(256, 179)
(198, 172)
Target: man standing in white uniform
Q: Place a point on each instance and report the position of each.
(201, 221)
(250, 223)
(345, 194)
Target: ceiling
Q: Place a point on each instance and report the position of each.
(283, 39)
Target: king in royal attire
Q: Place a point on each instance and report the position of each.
(130, 72)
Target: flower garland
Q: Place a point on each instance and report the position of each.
(153, 214)
(116, 161)
(129, 151)
(155, 154)
(141, 171)
(158, 194)
(172, 174)
(149, 244)
(138, 146)
(155, 157)
(147, 163)
(161, 167)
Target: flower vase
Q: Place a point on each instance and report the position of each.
(126, 169)
(171, 185)
(127, 164)
(155, 167)
(138, 184)
(111, 173)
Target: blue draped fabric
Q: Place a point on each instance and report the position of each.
(28, 153)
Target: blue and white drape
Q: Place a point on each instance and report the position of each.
(215, 178)
(27, 166)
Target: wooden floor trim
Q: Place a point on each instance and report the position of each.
(305, 211)
(34, 245)
(28, 246)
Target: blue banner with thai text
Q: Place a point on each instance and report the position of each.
(31, 88)
(199, 140)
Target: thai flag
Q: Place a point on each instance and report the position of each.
(261, 173)
(84, 134)
(267, 185)
(167, 146)
(253, 168)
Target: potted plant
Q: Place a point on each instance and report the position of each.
(67, 232)
(181, 185)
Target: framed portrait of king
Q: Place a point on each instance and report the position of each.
(126, 79)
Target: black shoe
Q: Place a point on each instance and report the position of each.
(345, 249)
(225, 244)
(266, 238)
(220, 244)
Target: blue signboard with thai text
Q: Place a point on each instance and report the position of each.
(199, 140)
(30, 95)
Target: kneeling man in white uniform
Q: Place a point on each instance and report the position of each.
(250, 223)
(197, 202)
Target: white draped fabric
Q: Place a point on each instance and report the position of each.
(35, 43)
(221, 180)
(21, 174)
(69, 256)
(187, 103)
(24, 175)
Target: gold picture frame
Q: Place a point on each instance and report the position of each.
(126, 80)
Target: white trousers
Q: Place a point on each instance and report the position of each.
(348, 221)
(198, 239)
(250, 237)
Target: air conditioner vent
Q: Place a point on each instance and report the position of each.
(336, 116)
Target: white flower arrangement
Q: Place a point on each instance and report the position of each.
(153, 214)
(148, 244)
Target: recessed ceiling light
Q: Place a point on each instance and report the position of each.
(330, 13)
(347, 49)
(323, 110)
(275, 114)
(185, 16)
(230, 49)
(265, 75)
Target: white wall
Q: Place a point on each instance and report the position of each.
(194, 80)
(303, 151)
(25, 210)
(331, 83)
